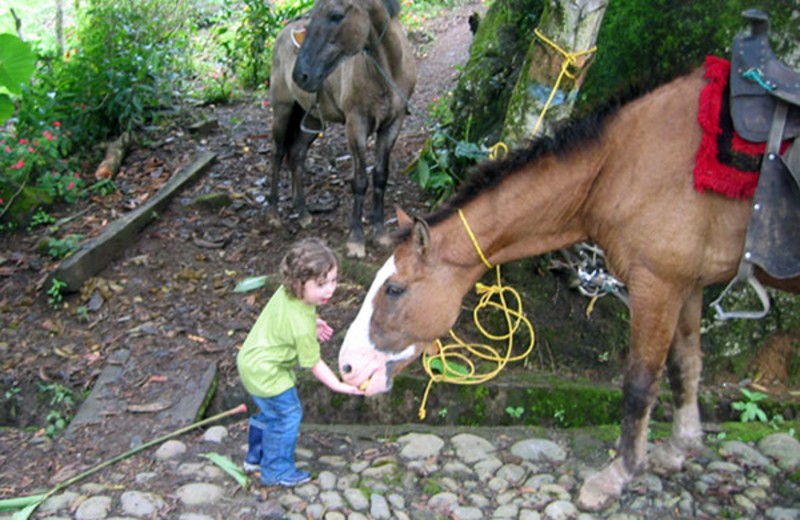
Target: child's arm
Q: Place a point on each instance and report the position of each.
(324, 331)
(324, 373)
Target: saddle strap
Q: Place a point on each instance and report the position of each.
(744, 275)
(791, 159)
(776, 130)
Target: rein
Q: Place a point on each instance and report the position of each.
(452, 363)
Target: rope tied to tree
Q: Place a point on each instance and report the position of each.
(570, 60)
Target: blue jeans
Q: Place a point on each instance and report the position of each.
(278, 421)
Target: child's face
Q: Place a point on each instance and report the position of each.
(318, 291)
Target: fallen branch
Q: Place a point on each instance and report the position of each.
(30, 503)
(114, 154)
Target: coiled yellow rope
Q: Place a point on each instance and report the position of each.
(452, 362)
(448, 365)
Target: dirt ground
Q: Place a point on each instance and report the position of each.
(169, 298)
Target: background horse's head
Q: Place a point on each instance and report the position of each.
(336, 30)
(414, 300)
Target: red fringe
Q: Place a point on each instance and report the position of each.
(709, 172)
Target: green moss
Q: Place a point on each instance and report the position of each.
(753, 431)
(570, 406)
(485, 86)
(430, 487)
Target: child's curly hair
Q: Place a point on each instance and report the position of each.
(307, 259)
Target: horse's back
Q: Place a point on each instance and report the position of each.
(647, 206)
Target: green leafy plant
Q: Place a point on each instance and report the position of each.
(60, 398)
(247, 48)
(60, 248)
(41, 218)
(33, 167)
(11, 396)
(750, 409)
(54, 296)
(515, 412)
(17, 62)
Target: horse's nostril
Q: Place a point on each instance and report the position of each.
(347, 369)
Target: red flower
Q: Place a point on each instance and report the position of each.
(56, 123)
(70, 186)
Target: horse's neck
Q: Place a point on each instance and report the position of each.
(533, 211)
(386, 46)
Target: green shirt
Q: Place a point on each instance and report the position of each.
(284, 335)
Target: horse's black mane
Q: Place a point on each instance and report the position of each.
(487, 174)
(392, 7)
(579, 131)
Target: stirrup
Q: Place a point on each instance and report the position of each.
(744, 276)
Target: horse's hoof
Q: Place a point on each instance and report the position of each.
(305, 220)
(384, 240)
(273, 220)
(602, 489)
(666, 459)
(356, 249)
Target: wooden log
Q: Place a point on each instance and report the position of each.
(109, 167)
(95, 254)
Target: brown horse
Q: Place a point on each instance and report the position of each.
(623, 181)
(348, 62)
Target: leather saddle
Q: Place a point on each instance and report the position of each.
(765, 107)
(759, 80)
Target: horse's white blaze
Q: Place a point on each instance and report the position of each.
(360, 362)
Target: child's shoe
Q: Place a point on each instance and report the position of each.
(249, 467)
(295, 478)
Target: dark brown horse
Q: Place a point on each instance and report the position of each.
(623, 181)
(348, 62)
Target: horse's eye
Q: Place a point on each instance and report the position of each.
(335, 16)
(394, 290)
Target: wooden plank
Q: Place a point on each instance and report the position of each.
(96, 253)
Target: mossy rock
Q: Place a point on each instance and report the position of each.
(25, 204)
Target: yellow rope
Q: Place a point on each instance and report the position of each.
(570, 60)
(451, 365)
(500, 150)
(474, 240)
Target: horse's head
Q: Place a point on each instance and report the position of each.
(414, 299)
(336, 30)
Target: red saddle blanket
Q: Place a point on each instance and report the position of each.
(725, 162)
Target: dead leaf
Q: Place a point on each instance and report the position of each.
(149, 407)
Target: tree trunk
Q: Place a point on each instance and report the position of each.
(543, 87)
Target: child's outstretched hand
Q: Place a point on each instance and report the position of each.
(324, 331)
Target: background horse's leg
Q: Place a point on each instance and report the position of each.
(684, 365)
(357, 128)
(655, 307)
(298, 150)
(386, 138)
(281, 138)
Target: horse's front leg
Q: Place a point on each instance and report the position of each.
(684, 365)
(281, 141)
(654, 316)
(357, 129)
(386, 138)
(297, 160)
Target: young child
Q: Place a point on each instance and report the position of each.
(287, 333)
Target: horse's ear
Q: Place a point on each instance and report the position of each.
(403, 220)
(421, 236)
